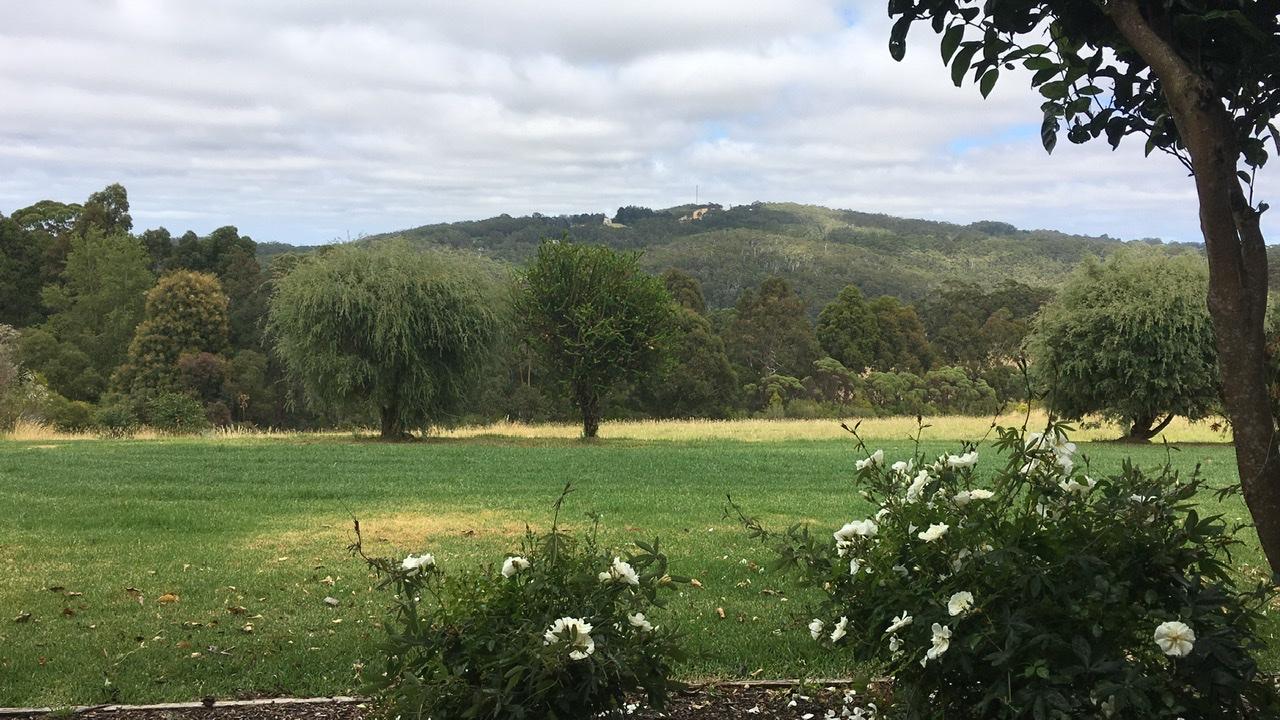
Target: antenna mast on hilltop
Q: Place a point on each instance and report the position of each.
(695, 194)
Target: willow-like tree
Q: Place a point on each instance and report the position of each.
(1129, 339)
(597, 318)
(1198, 80)
(385, 327)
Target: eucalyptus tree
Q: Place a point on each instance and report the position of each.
(1198, 80)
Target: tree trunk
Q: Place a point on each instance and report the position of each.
(589, 404)
(391, 427)
(1144, 428)
(1237, 267)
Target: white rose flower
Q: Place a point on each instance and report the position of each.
(840, 630)
(882, 513)
(1176, 639)
(620, 572)
(968, 459)
(638, 621)
(513, 565)
(940, 642)
(898, 623)
(854, 566)
(875, 459)
(960, 603)
(902, 467)
(414, 563)
(917, 485)
(574, 630)
(857, 528)
(815, 628)
(934, 532)
(895, 644)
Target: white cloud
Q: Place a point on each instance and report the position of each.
(302, 120)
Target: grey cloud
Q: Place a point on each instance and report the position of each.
(300, 120)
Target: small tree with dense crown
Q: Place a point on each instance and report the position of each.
(1129, 339)
(186, 312)
(388, 326)
(597, 318)
(1197, 79)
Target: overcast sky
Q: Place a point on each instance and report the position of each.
(303, 120)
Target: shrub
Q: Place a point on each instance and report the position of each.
(562, 630)
(114, 418)
(69, 415)
(174, 412)
(1048, 593)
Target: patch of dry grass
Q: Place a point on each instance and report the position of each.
(888, 428)
(952, 427)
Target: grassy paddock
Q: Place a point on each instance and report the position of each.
(249, 534)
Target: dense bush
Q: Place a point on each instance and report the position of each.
(68, 415)
(115, 418)
(564, 629)
(1043, 593)
(174, 412)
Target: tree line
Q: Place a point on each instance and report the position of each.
(112, 329)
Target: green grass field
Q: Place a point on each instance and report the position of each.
(97, 531)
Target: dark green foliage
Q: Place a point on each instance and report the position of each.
(1130, 339)
(900, 340)
(388, 328)
(483, 644)
(968, 325)
(53, 224)
(685, 290)
(115, 417)
(697, 379)
(847, 330)
(1091, 77)
(597, 319)
(100, 298)
(65, 367)
(1068, 578)
(770, 332)
(21, 267)
(105, 212)
(186, 312)
(69, 415)
(175, 412)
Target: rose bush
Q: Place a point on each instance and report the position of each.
(564, 629)
(1036, 589)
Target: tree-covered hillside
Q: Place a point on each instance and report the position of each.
(818, 250)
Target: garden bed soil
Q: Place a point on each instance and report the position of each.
(712, 702)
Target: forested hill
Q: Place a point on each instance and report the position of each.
(817, 249)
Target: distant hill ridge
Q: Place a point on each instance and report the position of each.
(819, 250)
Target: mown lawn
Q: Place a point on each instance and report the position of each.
(95, 532)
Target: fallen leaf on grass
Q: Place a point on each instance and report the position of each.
(68, 612)
(720, 612)
(332, 602)
(248, 627)
(694, 582)
(167, 598)
(237, 609)
(22, 617)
